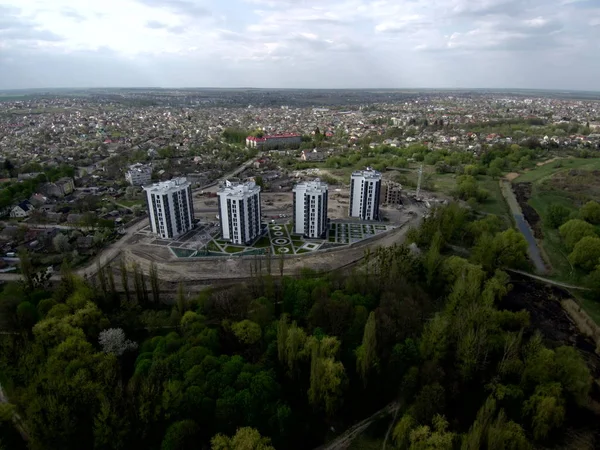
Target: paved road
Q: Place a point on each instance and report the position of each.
(343, 442)
(231, 174)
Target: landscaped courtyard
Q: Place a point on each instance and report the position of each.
(280, 239)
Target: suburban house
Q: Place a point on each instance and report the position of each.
(314, 155)
(23, 209)
(61, 188)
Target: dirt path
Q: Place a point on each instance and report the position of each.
(548, 281)
(343, 442)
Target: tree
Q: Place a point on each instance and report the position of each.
(244, 439)
(556, 215)
(182, 435)
(113, 341)
(154, 283)
(181, 300)
(124, 277)
(546, 409)
(424, 438)
(366, 354)
(575, 230)
(26, 269)
(586, 253)
(590, 212)
(327, 376)
(247, 332)
(27, 315)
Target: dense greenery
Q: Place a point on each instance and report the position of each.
(281, 362)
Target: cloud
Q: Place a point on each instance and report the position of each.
(184, 7)
(157, 25)
(301, 43)
(73, 14)
(14, 27)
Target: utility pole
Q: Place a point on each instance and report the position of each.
(419, 181)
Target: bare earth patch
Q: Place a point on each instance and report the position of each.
(543, 163)
(511, 176)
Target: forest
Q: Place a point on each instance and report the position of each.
(292, 362)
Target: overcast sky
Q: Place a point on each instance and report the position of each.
(541, 44)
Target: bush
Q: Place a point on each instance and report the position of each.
(590, 212)
(556, 215)
(575, 230)
(586, 253)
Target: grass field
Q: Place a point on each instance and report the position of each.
(495, 204)
(549, 169)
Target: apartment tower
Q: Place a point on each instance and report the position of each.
(310, 208)
(170, 207)
(365, 189)
(239, 212)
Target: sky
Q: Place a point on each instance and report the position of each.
(533, 44)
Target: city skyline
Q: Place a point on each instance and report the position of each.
(350, 44)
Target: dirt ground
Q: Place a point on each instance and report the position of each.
(511, 176)
(276, 203)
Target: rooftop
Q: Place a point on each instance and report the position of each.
(165, 187)
(316, 186)
(239, 189)
(368, 173)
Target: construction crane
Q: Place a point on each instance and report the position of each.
(420, 178)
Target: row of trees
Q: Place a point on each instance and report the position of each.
(278, 363)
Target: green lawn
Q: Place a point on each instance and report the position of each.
(232, 249)
(441, 182)
(263, 242)
(591, 307)
(129, 203)
(212, 247)
(495, 204)
(546, 170)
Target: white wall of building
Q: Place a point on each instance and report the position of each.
(310, 208)
(240, 212)
(365, 190)
(170, 207)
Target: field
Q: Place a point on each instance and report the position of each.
(540, 172)
(570, 183)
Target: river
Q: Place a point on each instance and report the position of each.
(522, 225)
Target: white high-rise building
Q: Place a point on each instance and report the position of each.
(170, 207)
(239, 212)
(310, 208)
(365, 188)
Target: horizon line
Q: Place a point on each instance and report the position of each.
(300, 88)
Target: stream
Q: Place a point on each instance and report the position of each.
(523, 226)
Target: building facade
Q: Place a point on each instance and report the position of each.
(391, 193)
(239, 212)
(274, 141)
(365, 191)
(170, 207)
(139, 174)
(310, 208)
